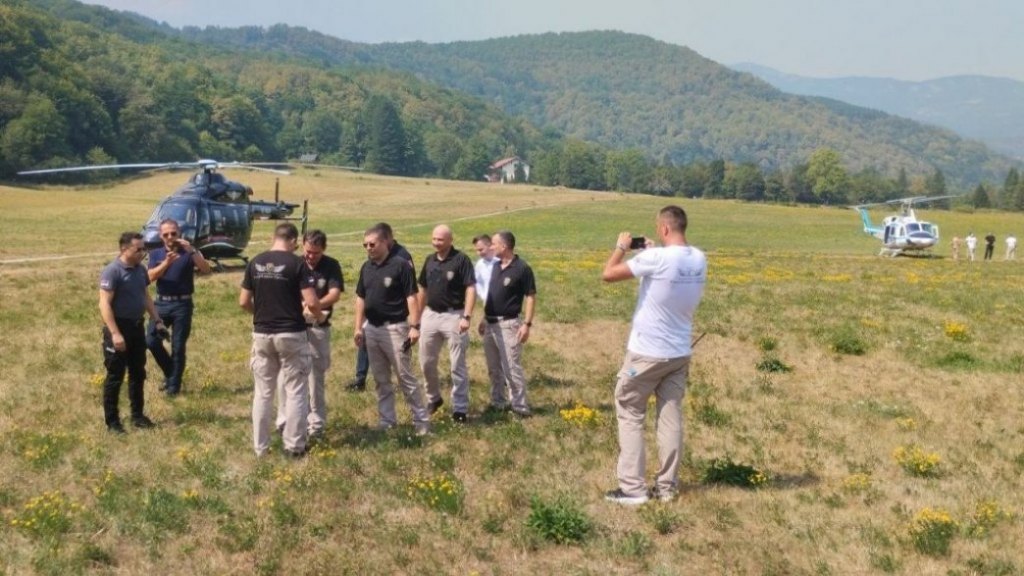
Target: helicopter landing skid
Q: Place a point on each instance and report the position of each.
(219, 267)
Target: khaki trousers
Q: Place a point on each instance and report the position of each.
(503, 335)
(285, 357)
(495, 373)
(384, 347)
(438, 328)
(320, 351)
(639, 378)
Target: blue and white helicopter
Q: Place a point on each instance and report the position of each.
(902, 232)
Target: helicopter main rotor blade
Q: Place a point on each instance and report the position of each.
(253, 167)
(101, 167)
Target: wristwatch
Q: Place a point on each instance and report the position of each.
(414, 326)
(467, 317)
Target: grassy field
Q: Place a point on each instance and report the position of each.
(846, 414)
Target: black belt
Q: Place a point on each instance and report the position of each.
(446, 310)
(385, 322)
(324, 325)
(496, 319)
(173, 297)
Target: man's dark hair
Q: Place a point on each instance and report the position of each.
(486, 239)
(316, 238)
(127, 238)
(675, 217)
(384, 231)
(286, 231)
(170, 221)
(507, 237)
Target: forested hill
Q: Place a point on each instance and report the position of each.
(625, 90)
(83, 84)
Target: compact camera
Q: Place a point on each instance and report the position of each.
(163, 333)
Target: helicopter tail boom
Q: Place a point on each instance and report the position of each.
(869, 228)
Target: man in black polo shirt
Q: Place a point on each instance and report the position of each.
(447, 294)
(325, 274)
(274, 289)
(123, 299)
(385, 304)
(511, 292)
(358, 384)
(172, 266)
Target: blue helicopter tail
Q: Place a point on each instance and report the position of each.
(865, 218)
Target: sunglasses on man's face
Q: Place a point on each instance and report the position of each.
(369, 245)
(169, 235)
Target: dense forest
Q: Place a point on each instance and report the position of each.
(601, 110)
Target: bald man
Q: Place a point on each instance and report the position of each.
(447, 293)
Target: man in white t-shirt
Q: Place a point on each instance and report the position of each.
(972, 245)
(657, 358)
(1011, 247)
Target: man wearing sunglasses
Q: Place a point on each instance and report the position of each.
(172, 266)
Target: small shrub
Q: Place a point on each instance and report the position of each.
(767, 343)
(725, 471)
(772, 364)
(857, 483)
(581, 416)
(706, 412)
(956, 331)
(959, 360)
(932, 531)
(561, 521)
(986, 516)
(46, 516)
(917, 462)
(661, 518)
(442, 493)
(847, 340)
(635, 545)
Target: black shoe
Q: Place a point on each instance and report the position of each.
(295, 454)
(356, 385)
(459, 417)
(116, 428)
(433, 406)
(142, 422)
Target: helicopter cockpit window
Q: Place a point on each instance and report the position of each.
(185, 215)
(912, 227)
(927, 228)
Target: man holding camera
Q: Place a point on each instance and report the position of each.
(657, 360)
(387, 323)
(172, 266)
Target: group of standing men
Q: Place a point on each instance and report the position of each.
(291, 300)
(971, 241)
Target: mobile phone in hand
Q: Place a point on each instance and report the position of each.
(407, 345)
(638, 243)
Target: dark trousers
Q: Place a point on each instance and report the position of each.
(989, 248)
(362, 363)
(132, 360)
(177, 317)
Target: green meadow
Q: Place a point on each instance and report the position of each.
(845, 414)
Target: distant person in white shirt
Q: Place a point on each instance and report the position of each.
(1011, 247)
(657, 360)
(972, 245)
(482, 269)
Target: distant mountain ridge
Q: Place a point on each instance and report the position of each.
(630, 91)
(984, 108)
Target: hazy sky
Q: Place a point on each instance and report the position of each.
(905, 39)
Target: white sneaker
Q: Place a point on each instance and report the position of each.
(663, 495)
(620, 497)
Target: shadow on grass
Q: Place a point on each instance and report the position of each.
(548, 381)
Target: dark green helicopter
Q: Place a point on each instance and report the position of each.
(214, 214)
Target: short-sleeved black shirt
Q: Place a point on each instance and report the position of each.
(400, 251)
(325, 276)
(384, 288)
(446, 280)
(509, 287)
(276, 279)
